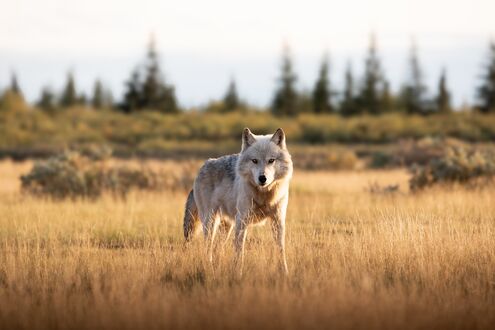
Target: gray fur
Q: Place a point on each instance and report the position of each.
(191, 218)
(230, 189)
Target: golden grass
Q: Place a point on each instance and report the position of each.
(357, 260)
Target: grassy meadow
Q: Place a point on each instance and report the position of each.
(357, 259)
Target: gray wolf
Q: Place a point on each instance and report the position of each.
(242, 190)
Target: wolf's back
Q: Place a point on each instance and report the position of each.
(191, 218)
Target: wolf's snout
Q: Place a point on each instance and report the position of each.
(262, 179)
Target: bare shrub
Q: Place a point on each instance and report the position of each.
(458, 165)
(74, 175)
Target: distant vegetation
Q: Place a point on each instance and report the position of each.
(457, 165)
(148, 121)
(151, 133)
(148, 89)
(75, 175)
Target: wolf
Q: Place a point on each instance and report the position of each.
(240, 190)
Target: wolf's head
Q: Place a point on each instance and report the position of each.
(264, 159)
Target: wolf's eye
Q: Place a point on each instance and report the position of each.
(271, 160)
(254, 161)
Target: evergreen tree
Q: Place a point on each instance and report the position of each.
(370, 95)
(12, 99)
(413, 93)
(486, 91)
(47, 100)
(69, 95)
(443, 97)
(82, 99)
(348, 106)
(132, 96)
(97, 100)
(14, 85)
(387, 99)
(231, 100)
(322, 93)
(285, 99)
(156, 94)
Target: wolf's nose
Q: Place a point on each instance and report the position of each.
(262, 179)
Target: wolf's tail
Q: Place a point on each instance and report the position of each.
(191, 217)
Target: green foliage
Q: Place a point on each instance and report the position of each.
(231, 100)
(348, 106)
(458, 165)
(443, 96)
(286, 97)
(14, 85)
(98, 97)
(47, 101)
(153, 133)
(372, 85)
(413, 93)
(322, 93)
(10, 101)
(132, 95)
(152, 93)
(69, 95)
(486, 91)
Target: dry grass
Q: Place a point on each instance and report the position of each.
(357, 260)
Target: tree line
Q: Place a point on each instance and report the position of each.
(147, 89)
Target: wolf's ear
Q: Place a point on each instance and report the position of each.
(247, 138)
(279, 138)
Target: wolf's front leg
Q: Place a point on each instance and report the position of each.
(278, 230)
(239, 240)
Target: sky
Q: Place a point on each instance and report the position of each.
(203, 44)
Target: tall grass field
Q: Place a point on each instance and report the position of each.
(358, 258)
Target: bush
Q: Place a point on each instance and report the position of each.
(73, 175)
(458, 165)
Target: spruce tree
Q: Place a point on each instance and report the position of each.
(387, 99)
(322, 92)
(414, 91)
(97, 101)
(156, 94)
(14, 85)
(69, 95)
(231, 99)
(132, 95)
(348, 105)
(47, 100)
(486, 91)
(285, 99)
(370, 95)
(443, 97)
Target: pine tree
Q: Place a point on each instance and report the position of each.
(156, 94)
(321, 92)
(285, 99)
(414, 91)
(132, 96)
(443, 97)
(69, 95)
(97, 101)
(231, 99)
(348, 105)
(387, 99)
(486, 91)
(47, 100)
(370, 95)
(14, 85)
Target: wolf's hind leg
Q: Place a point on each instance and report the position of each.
(210, 229)
(230, 229)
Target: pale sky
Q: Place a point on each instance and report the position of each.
(203, 43)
